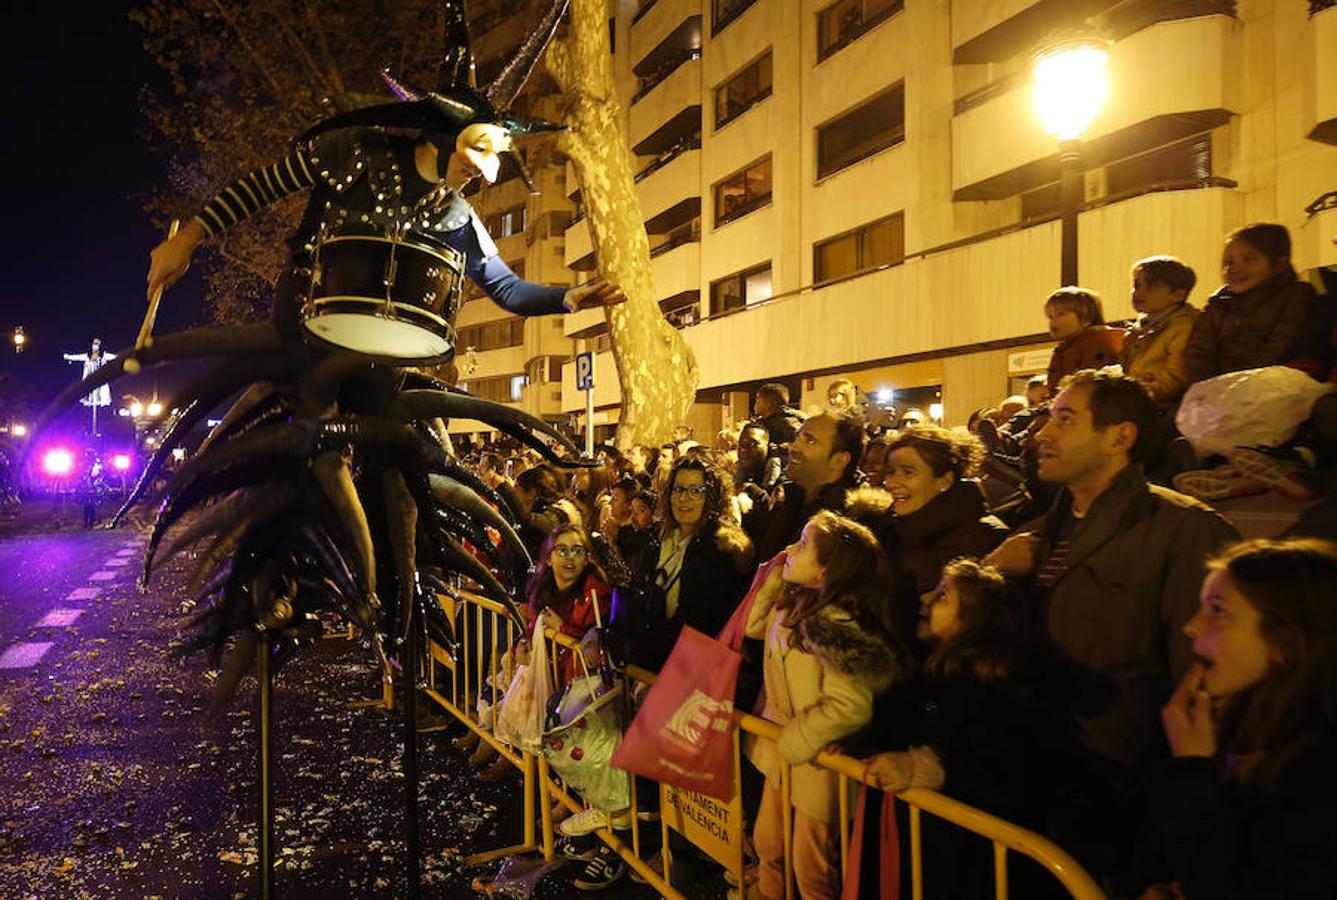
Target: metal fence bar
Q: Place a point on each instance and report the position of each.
(916, 856)
(543, 789)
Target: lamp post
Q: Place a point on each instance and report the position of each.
(1070, 85)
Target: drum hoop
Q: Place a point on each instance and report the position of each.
(374, 307)
(449, 255)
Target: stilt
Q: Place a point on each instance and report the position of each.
(266, 682)
(408, 664)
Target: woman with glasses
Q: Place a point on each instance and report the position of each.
(704, 564)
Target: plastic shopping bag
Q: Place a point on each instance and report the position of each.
(579, 747)
(682, 734)
(520, 719)
(1252, 407)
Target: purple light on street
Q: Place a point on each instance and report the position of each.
(58, 462)
(120, 462)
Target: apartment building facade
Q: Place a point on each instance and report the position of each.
(861, 188)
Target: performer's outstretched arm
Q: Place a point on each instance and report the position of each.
(243, 197)
(254, 191)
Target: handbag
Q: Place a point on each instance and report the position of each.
(682, 734)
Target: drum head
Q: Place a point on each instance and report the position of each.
(395, 341)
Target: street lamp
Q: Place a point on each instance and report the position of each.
(1070, 85)
(20, 339)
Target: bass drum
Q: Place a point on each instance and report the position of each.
(393, 300)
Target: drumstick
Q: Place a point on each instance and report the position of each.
(131, 365)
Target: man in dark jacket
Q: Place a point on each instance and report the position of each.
(822, 465)
(1115, 566)
(772, 409)
(1114, 570)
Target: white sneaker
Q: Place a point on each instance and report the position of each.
(588, 821)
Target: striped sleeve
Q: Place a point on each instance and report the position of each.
(254, 190)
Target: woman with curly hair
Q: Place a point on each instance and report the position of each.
(704, 563)
(931, 510)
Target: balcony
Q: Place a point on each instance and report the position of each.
(583, 324)
(654, 64)
(997, 283)
(999, 149)
(659, 114)
(1314, 246)
(1319, 84)
(986, 31)
(658, 24)
(493, 363)
(676, 272)
(578, 252)
(671, 193)
(607, 387)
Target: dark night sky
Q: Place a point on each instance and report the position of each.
(75, 240)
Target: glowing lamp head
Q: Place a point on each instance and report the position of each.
(58, 462)
(121, 462)
(18, 429)
(136, 409)
(154, 408)
(1070, 85)
(935, 411)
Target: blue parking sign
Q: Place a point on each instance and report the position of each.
(584, 371)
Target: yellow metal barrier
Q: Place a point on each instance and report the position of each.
(467, 684)
(538, 779)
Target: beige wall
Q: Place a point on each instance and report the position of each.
(1271, 68)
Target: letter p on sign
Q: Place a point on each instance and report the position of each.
(584, 371)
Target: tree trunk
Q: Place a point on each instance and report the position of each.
(656, 367)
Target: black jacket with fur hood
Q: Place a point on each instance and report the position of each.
(716, 572)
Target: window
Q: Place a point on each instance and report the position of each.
(737, 95)
(743, 191)
(545, 369)
(844, 21)
(683, 316)
(501, 389)
(871, 246)
(507, 223)
(725, 11)
(744, 289)
(493, 335)
(871, 126)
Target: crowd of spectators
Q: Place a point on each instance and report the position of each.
(1026, 614)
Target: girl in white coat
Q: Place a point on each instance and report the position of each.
(826, 655)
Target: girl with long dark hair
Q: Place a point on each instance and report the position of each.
(1247, 807)
(825, 656)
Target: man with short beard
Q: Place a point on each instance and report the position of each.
(1113, 572)
(822, 465)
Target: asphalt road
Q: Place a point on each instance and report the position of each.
(114, 784)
